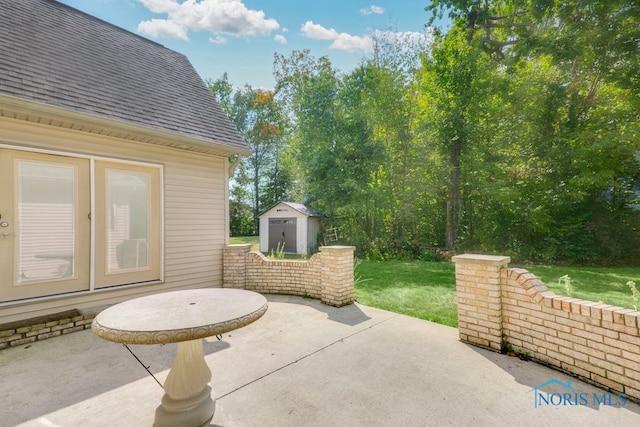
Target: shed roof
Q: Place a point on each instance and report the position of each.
(56, 55)
(303, 209)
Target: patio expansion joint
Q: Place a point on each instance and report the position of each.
(307, 356)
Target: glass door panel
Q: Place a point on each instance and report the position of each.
(128, 228)
(44, 225)
(128, 251)
(46, 215)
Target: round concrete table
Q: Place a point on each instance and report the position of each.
(184, 317)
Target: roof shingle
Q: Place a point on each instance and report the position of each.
(57, 55)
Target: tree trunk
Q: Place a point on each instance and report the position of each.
(256, 199)
(454, 196)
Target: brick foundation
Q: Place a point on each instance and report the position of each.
(41, 328)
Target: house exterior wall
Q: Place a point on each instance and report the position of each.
(195, 212)
(284, 211)
(500, 306)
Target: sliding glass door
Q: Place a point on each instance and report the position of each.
(46, 239)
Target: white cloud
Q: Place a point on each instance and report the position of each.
(160, 6)
(349, 43)
(220, 17)
(341, 41)
(218, 40)
(364, 44)
(280, 39)
(318, 32)
(373, 9)
(409, 38)
(163, 28)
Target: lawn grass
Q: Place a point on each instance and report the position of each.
(254, 240)
(427, 289)
(606, 285)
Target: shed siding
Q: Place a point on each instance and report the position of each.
(307, 227)
(195, 215)
(289, 213)
(303, 241)
(313, 228)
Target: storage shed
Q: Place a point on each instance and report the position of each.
(293, 225)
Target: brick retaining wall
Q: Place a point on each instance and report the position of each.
(290, 277)
(327, 275)
(499, 306)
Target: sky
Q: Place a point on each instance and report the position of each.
(240, 37)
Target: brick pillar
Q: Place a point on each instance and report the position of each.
(336, 275)
(478, 298)
(234, 266)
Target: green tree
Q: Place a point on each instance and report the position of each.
(331, 144)
(259, 180)
(454, 96)
(385, 87)
(564, 151)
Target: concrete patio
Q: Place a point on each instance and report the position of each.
(303, 364)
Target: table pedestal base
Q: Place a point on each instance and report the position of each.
(201, 413)
(189, 401)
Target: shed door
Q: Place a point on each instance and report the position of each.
(283, 231)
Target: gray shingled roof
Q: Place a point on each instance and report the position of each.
(54, 54)
(303, 209)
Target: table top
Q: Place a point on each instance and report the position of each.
(179, 316)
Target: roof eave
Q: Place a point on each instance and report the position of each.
(22, 109)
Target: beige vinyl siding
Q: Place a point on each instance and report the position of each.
(195, 212)
(195, 224)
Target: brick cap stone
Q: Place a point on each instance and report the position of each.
(481, 259)
(337, 248)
